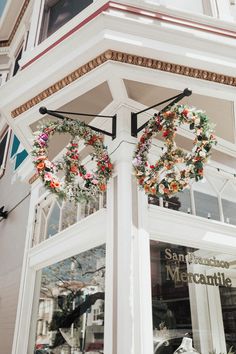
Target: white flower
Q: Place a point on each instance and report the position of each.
(202, 154)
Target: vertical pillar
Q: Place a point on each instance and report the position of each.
(123, 235)
(142, 275)
(129, 249)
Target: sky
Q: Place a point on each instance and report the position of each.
(2, 5)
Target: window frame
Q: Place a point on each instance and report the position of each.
(5, 132)
(79, 237)
(44, 19)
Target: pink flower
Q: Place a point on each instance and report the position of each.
(48, 176)
(88, 176)
(43, 136)
(94, 181)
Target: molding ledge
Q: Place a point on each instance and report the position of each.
(6, 43)
(126, 58)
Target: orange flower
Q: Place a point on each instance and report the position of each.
(110, 166)
(103, 187)
(52, 185)
(146, 188)
(174, 186)
(40, 165)
(153, 190)
(56, 184)
(74, 169)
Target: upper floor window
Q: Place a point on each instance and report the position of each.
(4, 140)
(196, 6)
(17, 59)
(58, 12)
(233, 9)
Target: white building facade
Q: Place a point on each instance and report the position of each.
(126, 273)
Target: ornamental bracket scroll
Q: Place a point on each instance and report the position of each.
(60, 115)
(134, 116)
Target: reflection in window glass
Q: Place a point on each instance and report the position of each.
(53, 221)
(59, 12)
(58, 215)
(228, 303)
(186, 283)
(69, 215)
(70, 317)
(194, 6)
(206, 206)
(229, 210)
(206, 201)
(180, 202)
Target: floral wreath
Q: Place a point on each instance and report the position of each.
(175, 168)
(78, 183)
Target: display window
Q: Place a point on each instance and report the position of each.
(68, 315)
(212, 198)
(193, 300)
(53, 215)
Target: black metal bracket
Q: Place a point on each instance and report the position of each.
(3, 214)
(134, 116)
(59, 114)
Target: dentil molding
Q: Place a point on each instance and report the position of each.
(116, 56)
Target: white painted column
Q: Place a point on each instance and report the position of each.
(131, 306)
(123, 236)
(143, 328)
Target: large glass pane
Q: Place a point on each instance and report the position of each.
(69, 214)
(206, 200)
(59, 12)
(233, 9)
(70, 315)
(228, 303)
(193, 299)
(194, 6)
(180, 201)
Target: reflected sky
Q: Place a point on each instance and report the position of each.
(2, 5)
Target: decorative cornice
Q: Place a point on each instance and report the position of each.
(7, 42)
(127, 59)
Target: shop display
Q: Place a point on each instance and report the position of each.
(193, 291)
(186, 346)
